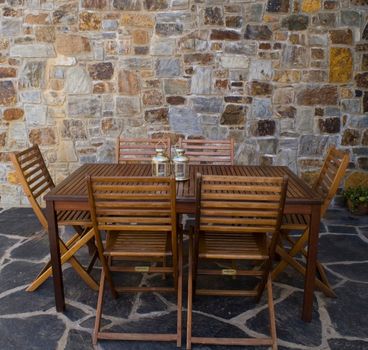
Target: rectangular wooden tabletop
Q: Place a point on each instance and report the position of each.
(74, 189)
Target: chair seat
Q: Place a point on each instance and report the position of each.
(131, 244)
(295, 222)
(74, 218)
(213, 245)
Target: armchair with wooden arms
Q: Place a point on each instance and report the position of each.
(234, 217)
(139, 217)
(326, 186)
(33, 175)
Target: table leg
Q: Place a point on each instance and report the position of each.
(55, 256)
(310, 274)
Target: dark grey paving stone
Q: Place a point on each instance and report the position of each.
(35, 333)
(342, 344)
(34, 249)
(90, 322)
(348, 312)
(18, 273)
(136, 345)
(342, 216)
(288, 312)
(357, 272)
(79, 340)
(22, 301)
(230, 307)
(150, 302)
(342, 229)
(6, 243)
(74, 313)
(334, 248)
(19, 221)
(291, 277)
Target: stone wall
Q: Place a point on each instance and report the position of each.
(284, 78)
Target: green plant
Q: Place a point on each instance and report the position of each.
(358, 196)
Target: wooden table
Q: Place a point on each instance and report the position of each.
(71, 194)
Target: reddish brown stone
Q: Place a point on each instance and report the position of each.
(265, 128)
(43, 136)
(175, 100)
(365, 138)
(329, 125)
(157, 115)
(154, 5)
(141, 50)
(89, 21)
(365, 102)
(319, 112)
(2, 138)
(103, 88)
(365, 62)
(7, 72)
(10, 12)
(265, 46)
(361, 47)
(199, 58)
(234, 21)
(140, 37)
(259, 88)
(341, 36)
(363, 163)
(5, 157)
(258, 32)
(286, 111)
(350, 137)
(128, 83)
(317, 53)
(94, 4)
(330, 5)
(236, 99)
(8, 95)
(362, 80)
(221, 84)
(218, 34)
(45, 34)
(233, 115)
(324, 95)
(13, 114)
(101, 71)
(152, 98)
(40, 18)
(71, 44)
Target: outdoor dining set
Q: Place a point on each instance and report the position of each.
(249, 222)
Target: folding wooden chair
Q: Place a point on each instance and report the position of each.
(326, 186)
(234, 215)
(138, 215)
(140, 150)
(203, 151)
(36, 181)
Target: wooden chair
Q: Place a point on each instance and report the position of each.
(140, 150)
(203, 151)
(326, 186)
(139, 217)
(36, 181)
(234, 214)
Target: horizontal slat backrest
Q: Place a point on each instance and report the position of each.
(34, 177)
(240, 204)
(202, 151)
(132, 204)
(330, 176)
(138, 150)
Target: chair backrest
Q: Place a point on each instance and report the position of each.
(134, 204)
(34, 177)
(202, 151)
(138, 150)
(240, 204)
(330, 176)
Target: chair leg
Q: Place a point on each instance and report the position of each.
(301, 269)
(271, 311)
(298, 246)
(180, 295)
(100, 299)
(68, 254)
(190, 295)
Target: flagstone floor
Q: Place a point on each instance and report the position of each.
(29, 320)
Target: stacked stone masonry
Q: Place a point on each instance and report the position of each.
(284, 78)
